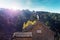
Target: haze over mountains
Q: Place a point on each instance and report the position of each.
(12, 20)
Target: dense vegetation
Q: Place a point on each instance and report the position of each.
(10, 24)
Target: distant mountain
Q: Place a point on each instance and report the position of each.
(12, 20)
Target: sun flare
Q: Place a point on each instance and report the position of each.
(13, 6)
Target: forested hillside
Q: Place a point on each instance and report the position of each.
(12, 21)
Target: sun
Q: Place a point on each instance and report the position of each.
(14, 7)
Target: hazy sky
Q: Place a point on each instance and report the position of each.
(42, 5)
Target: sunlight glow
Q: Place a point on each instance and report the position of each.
(13, 5)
